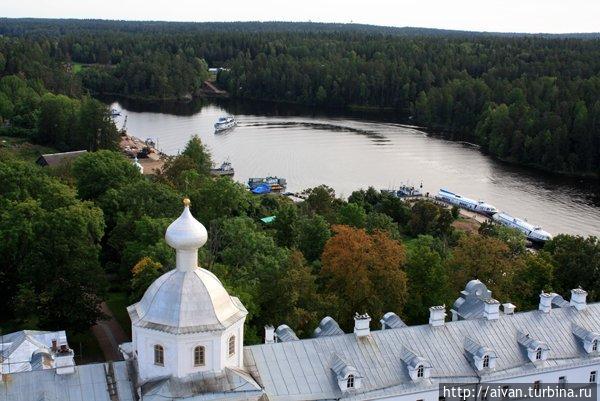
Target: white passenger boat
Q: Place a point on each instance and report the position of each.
(533, 233)
(225, 123)
(466, 203)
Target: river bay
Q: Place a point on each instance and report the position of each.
(349, 152)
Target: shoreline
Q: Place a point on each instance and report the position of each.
(152, 164)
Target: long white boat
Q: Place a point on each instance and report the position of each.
(466, 203)
(225, 123)
(533, 233)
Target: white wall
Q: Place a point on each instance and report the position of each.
(179, 351)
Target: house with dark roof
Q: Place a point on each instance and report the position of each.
(54, 159)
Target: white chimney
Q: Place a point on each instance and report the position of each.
(361, 325)
(578, 298)
(508, 308)
(64, 360)
(269, 334)
(437, 315)
(546, 302)
(491, 309)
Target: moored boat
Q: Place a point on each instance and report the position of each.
(225, 123)
(226, 169)
(533, 233)
(478, 206)
(275, 184)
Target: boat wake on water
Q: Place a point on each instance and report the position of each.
(319, 126)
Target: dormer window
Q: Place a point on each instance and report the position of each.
(231, 346)
(538, 354)
(420, 371)
(350, 382)
(159, 355)
(199, 356)
(486, 361)
(347, 377)
(595, 345)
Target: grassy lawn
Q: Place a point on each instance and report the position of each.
(118, 302)
(77, 67)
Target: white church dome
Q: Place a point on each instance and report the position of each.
(188, 302)
(186, 232)
(187, 299)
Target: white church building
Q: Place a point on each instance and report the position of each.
(188, 336)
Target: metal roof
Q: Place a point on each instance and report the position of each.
(341, 368)
(412, 360)
(231, 384)
(328, 327)
(186, 302)
(527, 341)
(285, 333)
(300, 370)
(475, 349)
(471, 303)
(392, 321)
(584, 334)
(88, 383)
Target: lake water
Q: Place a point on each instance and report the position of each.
(350, 152)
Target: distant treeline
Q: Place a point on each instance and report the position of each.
(530, 99)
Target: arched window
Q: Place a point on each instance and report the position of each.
(350, 383)
(420, 371)
(199, 356)
(595, 345)
(159, 355)
(538, 354)
(232, 346)
(486, 361)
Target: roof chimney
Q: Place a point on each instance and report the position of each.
(269, 334)
(361, 325)
(64, 360)
(508, 308)
(437, 315)
(546, 302)
(491, 309)
(578, 298)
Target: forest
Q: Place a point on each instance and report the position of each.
(527, 99)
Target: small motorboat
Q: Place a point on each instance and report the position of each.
(225, 123)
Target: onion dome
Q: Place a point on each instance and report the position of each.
(186, 233)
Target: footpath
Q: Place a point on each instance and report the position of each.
(109, 334)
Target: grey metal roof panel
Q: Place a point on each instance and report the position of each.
(203, 386)
(328, 327)
(378, 357)
(392, 321)
(584, 334)
(87, 383)
(559, 302)
(527, 341)
(285, 333)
